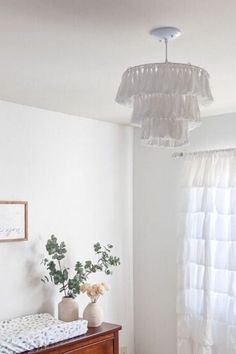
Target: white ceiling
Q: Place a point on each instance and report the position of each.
(69, 55)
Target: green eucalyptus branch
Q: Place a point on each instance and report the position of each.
(105, 260)
(57, 252)
(59, 275)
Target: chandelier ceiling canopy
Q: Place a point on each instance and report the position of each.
(165, 97)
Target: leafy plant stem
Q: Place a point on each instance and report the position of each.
(63, 283)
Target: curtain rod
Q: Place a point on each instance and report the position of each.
(177, 155)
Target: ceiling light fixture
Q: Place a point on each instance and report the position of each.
(165, 96)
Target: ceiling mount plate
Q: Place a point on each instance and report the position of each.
(166, 33)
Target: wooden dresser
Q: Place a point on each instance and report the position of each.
(100, 340)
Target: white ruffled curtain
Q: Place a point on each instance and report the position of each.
(206, 301)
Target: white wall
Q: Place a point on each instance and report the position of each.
(156, 180)
(76, 175)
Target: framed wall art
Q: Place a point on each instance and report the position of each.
(13, 221)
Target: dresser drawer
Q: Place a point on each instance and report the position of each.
(99, 348)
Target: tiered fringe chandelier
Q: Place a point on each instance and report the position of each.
(165, 97)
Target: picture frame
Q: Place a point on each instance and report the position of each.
(13, 221)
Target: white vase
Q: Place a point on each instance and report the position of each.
(68, 310)
(93, 314)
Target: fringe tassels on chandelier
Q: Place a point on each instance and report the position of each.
(165, 97)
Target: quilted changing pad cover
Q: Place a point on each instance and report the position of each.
(35, 331)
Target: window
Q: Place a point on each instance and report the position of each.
(206, 302)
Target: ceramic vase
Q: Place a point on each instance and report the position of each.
(68, 310)
(93, 314)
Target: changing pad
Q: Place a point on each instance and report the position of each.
(35, 331)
